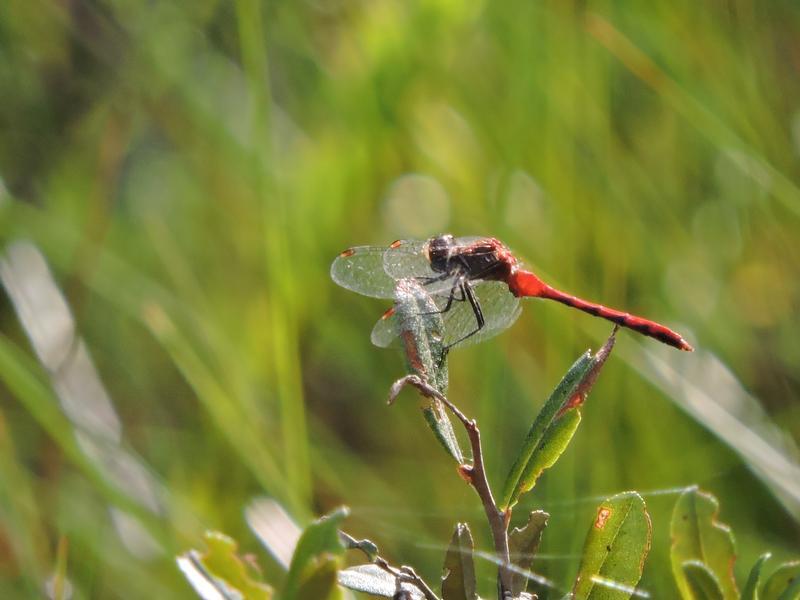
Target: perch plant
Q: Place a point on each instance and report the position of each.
(616, 545)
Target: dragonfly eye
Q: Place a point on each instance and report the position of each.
(438, 252)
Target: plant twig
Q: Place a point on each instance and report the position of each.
(407, 575)
(402, 574)
(475, 474)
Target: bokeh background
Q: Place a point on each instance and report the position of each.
(185, 172)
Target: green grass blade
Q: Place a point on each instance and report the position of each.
(751, 588)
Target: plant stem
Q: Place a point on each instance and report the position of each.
(407, 575)
(475, 474)
(403, 574)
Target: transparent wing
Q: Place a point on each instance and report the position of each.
(415, 313)
(373, 270)
(408, 258)
(386, 333)
(360, 269)
(499, 306)
(500, 309)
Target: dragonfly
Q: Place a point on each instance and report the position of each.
(475, 284)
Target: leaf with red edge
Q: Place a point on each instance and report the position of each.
(615, 549)
(554, 426)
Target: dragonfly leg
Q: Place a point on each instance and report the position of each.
(457, 287)
(445, 352)
(430, 280)
(469, 294)
(461, 283)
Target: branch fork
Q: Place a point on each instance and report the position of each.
(474, 474)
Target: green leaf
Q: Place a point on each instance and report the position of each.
(220, 573)
(564, 390)
(319, 543)
(552, 446)
(420, 326)
(750, 591)
(321, 581)
(781, 581)
(702, 581)
(792, 592)
(458, 581)
(522, 546)
(554, 426)
(371, 579)
(615, 549)
(697, 535)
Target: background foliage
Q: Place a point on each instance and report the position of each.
(189, 169)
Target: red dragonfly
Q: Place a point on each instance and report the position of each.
(476, 283)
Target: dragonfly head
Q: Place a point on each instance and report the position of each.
(438, 252)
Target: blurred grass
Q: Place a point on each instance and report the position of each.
(190, 169)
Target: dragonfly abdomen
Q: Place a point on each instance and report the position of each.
(525, 283)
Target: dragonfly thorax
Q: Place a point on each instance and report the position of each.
(486, 259)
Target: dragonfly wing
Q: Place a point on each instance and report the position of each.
(408, 258)
(415, 317)
(386, 332)
(360, 270)
(500, 309)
